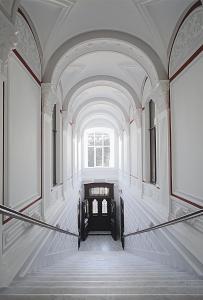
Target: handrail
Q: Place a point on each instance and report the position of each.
(168, 223)
(18, 215)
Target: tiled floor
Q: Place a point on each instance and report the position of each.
(100, 243)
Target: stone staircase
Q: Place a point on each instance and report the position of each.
(105, 275)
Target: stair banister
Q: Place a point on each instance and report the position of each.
(20, 216)
(168, 223)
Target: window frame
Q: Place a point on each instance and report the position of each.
(103, 132)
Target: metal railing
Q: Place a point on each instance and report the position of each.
(20, 216)
(168, 223)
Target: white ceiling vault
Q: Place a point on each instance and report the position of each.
(101, 51)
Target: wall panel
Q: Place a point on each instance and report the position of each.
(186, 102)
(23, 136)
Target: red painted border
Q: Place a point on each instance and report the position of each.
(39, 83)
(194, 55)
(26, 66)
(197, 4)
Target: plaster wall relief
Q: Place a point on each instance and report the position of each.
(26, 45)
(14, 230)
(7, 6)
(188, 40)
(8, 40)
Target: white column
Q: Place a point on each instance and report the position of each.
(138, 120)
(49, 98)
(161, 97)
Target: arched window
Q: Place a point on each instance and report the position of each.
(104, 207)
(100, 148)
(95, 207)
(152, 134)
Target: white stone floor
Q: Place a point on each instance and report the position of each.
(102, 243)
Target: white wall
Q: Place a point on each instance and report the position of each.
(23, 121)
(187, 142)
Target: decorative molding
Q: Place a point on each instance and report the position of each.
(8, 39)
(26, 45)
(187, 41)
(49, 97)
(160, 94)
(7, 6)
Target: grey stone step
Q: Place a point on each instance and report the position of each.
(106, 277)
(101, 297)
(106, 290)
(93, 283)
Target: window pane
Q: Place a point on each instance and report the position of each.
(104, 207)
(95, 207)
(98, 139)
(90, 139)
(90, 157)
(99, 157)
(106, 156)
(106, 140)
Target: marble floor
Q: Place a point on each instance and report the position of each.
(102, 243)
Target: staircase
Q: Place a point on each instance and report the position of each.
(104, 274)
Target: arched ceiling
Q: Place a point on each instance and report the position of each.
(56, 21)
(101, 51)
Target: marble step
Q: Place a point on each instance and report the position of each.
(97, 283)
(105, 290)
(108, 277)
(101, 297)
(110, 273)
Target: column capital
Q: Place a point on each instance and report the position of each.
(160, 95)
(67, 118)
(8, 39)
(138, 117)
(49, 97)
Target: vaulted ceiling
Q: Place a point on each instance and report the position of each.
(151, 20)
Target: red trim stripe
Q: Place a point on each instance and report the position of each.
(26, 66)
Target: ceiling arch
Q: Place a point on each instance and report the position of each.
(105, 40)
(107, 102)
(99, 80)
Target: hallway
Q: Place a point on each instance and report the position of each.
(101, 146)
